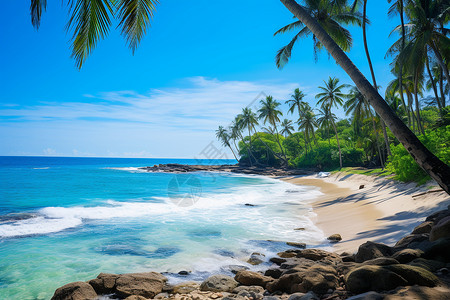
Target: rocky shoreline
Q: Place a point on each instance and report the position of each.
(416, 267)
(268, 171)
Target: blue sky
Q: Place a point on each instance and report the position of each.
(199, 64)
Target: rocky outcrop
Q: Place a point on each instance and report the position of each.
(371, 250)
(252, 278)
(441, 229)
(219, 283)
(75, 291)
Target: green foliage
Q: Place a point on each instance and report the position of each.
(404, 166)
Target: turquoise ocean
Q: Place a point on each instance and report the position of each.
(68, 219)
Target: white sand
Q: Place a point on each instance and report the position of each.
(383, 211)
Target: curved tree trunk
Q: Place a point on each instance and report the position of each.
(433, 84)
(235, 157)
(279, 144)
(432, 165)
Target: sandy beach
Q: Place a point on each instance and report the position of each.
(383, 210)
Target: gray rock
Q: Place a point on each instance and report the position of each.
(296, 296)
(75, 291)
(297, 245)
(414, 241)
(371, 250)
(334, 238)
(381, 261)
(253, 288)
(219, 283)
(415, 275)
(424, 227)
(441, 229)
(185, 287)
(317, 254)
(301, 296)
(373, 278)
(438, 250)
(256, 258)
(428, 264)
(271, 298)
(367, 296)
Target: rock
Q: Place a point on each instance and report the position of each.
(297, 245)
(381, 261)
(252, 278)
(75, 291)
(371, 250)
(256, 258)
(317, 254)
(441, 229)
(372, 278)
(236, 268)
(296, 296)
(348, 258)
(438, 250)
(219, 283)
(367, 296)
(250, 295)
(428, 264)
(438, 216)
(406, 255)
(361, 186)
(270, 298)
(419, 292)
(253, 288)
(413, 241)
(415, 275)
(161, 296)
(334, 238)
(287, 254)
(424, 227)
(277, 260)
(134, 297)
(274, 272)
(140, 284)
(184, 273)
(185, 287)
(299, 228)
(302, 296)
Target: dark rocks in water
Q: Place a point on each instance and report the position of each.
(205, 233)
(224, 252)
(277, 260)
(164, 252)
(300, 228)
(75, 291)
(251, 205)
(371, 250)
(125, 249)
(14, 217)
(184, 273)
(334, 238)
(361, 186)
(235, 268)
(269, 245)
(297, 245)
(256, 258)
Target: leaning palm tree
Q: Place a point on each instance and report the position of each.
(270, 113)
(432, 165)
(330, 96)
(286, 127)
(296, 102)
(223, 136)
(331, 15)
(90, 21)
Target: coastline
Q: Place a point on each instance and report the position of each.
(383, 211)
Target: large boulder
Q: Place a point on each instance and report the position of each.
(371, 250)
(381, 261)
(427, 264)
(373, 278)
(219, 283)
(140, 284)
(438, 250)
(406, 255)
(424, 227)
(252, 278)
(414, 241)
(419, 292)
(415, 275)
(441, 229)
(317, 254)
(185, 287)
(75, 291)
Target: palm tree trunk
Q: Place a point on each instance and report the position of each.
(279, 144)
(267, 146)
(433, 84)
(339, 145)
(416, 100)
(441, 63)
(432, 165)
(229, 146)
(441, 87)
(400, 67)
(376, 141)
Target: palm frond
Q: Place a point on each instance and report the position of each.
(289, 27)
(37, 7)
(135, 16)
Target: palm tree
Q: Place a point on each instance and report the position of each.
(360, 109)
(307, 123)
(223, 136)
(270, 113)
(90, 21)
(432, 165)
(325, 120)
(331, 15)
(296, 101)
(330, 96)
(286, 127)
(248, 120)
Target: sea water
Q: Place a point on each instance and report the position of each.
(68, 219)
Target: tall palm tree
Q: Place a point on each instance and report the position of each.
(90, 21)
(307, 123)
(270, 113)
(296, 101)
(325, 119)
(360, 109)
(331, 15)
(330, 96)
(248, 120)
(223, 136)
(286, 127)
(432, 165)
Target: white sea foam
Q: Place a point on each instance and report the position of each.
(129, 169)
(43, 168)
(274, 206)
